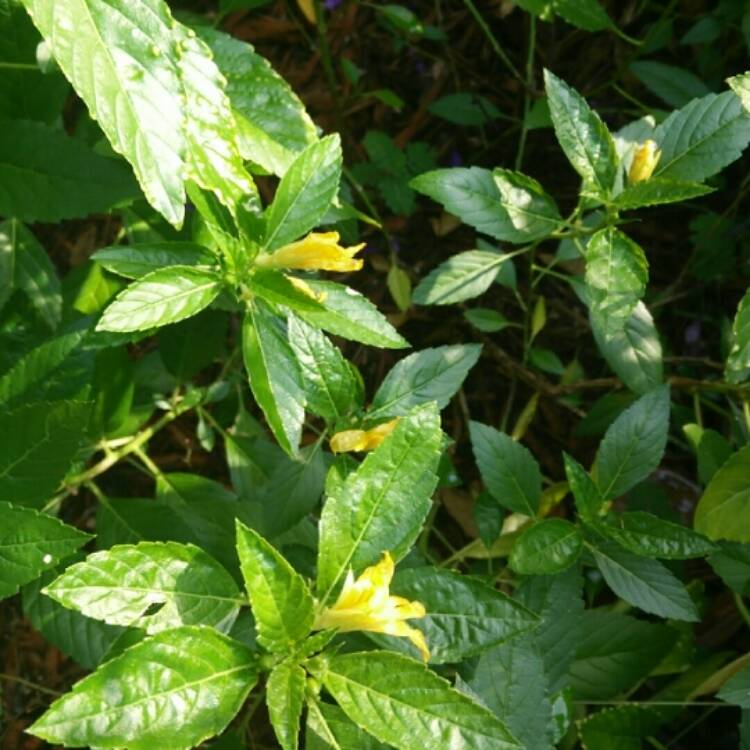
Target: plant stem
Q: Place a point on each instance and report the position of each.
(492, 39)
(527, 94)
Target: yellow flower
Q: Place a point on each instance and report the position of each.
(644, 162)
(305, 288)
(361, 440)
(308, 8)
(319, 251)
(366, 604)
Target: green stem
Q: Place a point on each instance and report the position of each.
(492, 39)
(19, 66)
(527, 95)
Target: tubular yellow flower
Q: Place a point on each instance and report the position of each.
(366, 604)
(361, 440)
(308, 9)
(644, 162)
(319, 251)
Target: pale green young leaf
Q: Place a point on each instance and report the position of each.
(203, 678)
(547, 547)
(463, 276)
(723, 511)
(402, 703)
(332, 386)
(347, 313)
(382, 504)
(136, 261)
(38, 442)
(48, 176)
(586, 494)
(583, 136)
(616, 277)
(274, 374)
(285, 696)
(280, 599)
(509, 471)
(644, 583)
(738, 361)
(673, 85)
(304, 193)
(161, 297)
(486, 320)
(712, 449)
(31, 543)
(658, 191)
(633, 444)
(121, 586)
(427, 375)
(736, 690)
(634, 353)
(34, 273)
(702, 138)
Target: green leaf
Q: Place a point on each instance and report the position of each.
(122, 585)
(647, 535)
(202, 677)
(486, 320)
(304, 193)
(383, 503)
(723, 511)
(464, 108)
(583, 136)
(657, 191)
(428, 375)
(616, 277)
(333, 388)
(702, 138)
(644, 583)
(463, 276)
(616, 652)
(280, 599)
(272, 122)
(736, 689)
(586, 494)
(161, 297)
(277, 289)
(189, 346)
(31, 543)
(505, 205)
(34, 273)
(464, 615)
(348, 314)
(634, 353)
(328, 728)
(37, 445)
(48, 176)
(285, 695)
(586, 14)
(509, 471)
(712, 450)
(675, 86)
(510, 680)
(547, 547)
(732, 564)
(634, 444)
(402, 703)
(738, 361)
(274, 374)
(136, 261)
(620, 728)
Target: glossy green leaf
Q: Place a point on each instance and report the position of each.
(281, 601)
(644, 583)
(329, 728)
(285, 695)
(620, 728)
(464, 615)
(304, 193)
(48, 176)
(203, 678)
(658, 191)
(31, 543)
(647, 535)
(582, 135)
(275, 377)
(586, 494)
(486, 320)
(545, 548)
(37, 445)
(123, 585)
(161, 297)
(277, 288)
(332, 386)
(738, 361)
(402, 703)
(634, 352)
(509, 471)
(427, 375)
(383, 503)
(463, 276)
(616, 277)
(723, 511)
(505, 205)
(136, 261)
(673, 85)
(634, 444)
(702, 138)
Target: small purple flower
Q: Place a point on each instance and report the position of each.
(331, 4)
(692, 333)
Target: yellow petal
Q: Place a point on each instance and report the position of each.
(380, 574)
(319, 251)
(644, 162)
(308, 8)
(378, 434)
(402, 630)
(305, 288)
(348, 441)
